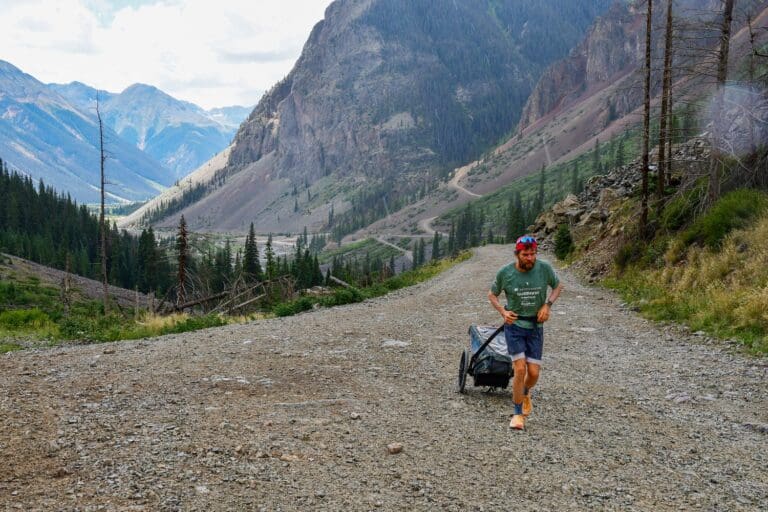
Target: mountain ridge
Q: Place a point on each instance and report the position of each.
(178, 134)
(46, 137)
(385, 99)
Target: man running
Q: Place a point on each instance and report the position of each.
(525, 282)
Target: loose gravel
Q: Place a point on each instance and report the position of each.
(355, 408)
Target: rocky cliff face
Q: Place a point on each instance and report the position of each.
(399, 91)
(613, 46)
(613, 49)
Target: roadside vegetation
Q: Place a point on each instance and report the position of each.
(32, 314)
(709, 271)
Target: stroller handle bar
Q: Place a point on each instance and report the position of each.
(492, 336)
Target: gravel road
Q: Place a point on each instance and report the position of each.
(297, 414)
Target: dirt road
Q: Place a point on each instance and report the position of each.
(297, 414)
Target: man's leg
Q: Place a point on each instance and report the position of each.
(534, 350)
(516, 348)
(518, 382)
(531, 377)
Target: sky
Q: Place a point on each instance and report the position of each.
(211, 53)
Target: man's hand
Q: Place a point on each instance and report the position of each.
(510, 317)
(543, 314)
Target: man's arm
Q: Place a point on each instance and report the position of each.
(543, 314)
(508, 316)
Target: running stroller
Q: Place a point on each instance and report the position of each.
(486, 360)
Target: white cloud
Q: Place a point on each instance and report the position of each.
(210, 53)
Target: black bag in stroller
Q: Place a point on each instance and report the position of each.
(486, 359)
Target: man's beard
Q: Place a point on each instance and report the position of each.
(526, 265)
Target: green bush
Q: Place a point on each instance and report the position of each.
(194, 323)
(23, 319)
(8, 292)
(293, 307)
(734, 210)
(563, 242)
(343, 296)
(75, 327)
(679, 212)
(9, 347)
(653, 253)
(629, 253)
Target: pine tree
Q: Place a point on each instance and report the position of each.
(596, 160)
(539, 206)
(251, 264)
(510, 231)
(269, 254)
(619, 161)
(563, 242)
(436, 246)
(317, 275)
(182, 251)
(421, 251)
(575, 178)
(453, 250)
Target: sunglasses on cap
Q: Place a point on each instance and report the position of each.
(525, 242)
(527, 239)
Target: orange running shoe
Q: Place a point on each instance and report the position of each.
(517, 422)
(527, 405)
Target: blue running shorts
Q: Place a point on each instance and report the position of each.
(525, 343)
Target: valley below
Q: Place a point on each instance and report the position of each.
(298, 413)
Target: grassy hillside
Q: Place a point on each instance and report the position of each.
(709, 272)
(34, 313)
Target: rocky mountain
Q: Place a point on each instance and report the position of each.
(229, 117)
(178, 134)
(613, 51)
(386, 98)
(46, 136)
(591, 96)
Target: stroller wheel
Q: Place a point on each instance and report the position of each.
(463, 369)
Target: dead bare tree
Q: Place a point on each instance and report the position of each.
(716, 158)
(751, 74)
(755, 51)
(646, 118)
(182, 248)
(664, 115)
(102, 220)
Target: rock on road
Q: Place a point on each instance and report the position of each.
(354, 408)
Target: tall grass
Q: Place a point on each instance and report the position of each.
(719, 285)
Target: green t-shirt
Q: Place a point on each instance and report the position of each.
(526, 292)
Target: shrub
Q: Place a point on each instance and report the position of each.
(23, 319)
(343, 296)
(630, 252)
(293, 307)
(735, 210)
(8, 292)
(9, 347)
(75, 327)
(194, 323)
(563, 242)
(679, 212)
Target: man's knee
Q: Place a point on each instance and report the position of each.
(533, 371)
(519, 365)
